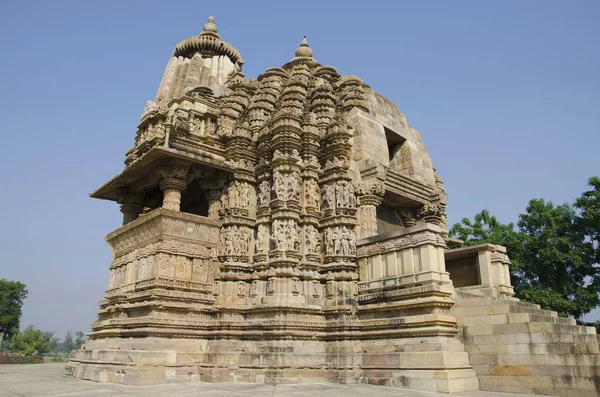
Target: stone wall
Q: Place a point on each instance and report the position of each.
(13, 359)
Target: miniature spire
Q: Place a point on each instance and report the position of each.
(210, 27)
(304, 51)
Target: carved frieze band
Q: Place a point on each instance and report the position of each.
(401, 243)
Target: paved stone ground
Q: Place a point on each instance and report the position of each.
(35, 380)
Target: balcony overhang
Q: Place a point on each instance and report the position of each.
(402, 190)
(145, 166)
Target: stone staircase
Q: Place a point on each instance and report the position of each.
(517, 347)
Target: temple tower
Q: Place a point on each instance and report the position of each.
(279, 229)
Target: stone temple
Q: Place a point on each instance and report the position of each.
(292, 228)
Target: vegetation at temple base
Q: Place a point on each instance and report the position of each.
(12, 295)
(31, 341)
(554, 250)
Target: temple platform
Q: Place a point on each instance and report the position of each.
(48, 380)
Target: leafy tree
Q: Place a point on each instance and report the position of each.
(54, 345)
(31, 341)
(68, 344)
(589, 219)
(556, 265)
(12, 295)
(79, 339)
(485, 228)
(555, 252)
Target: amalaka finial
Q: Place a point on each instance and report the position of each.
(304, 51)
(211, 26)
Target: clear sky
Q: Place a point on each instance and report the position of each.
(506, 96)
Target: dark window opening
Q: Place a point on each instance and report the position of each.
(394, 142)
(193, 201)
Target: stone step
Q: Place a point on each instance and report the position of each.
(523, 317)
(561, 348)
(528, 338)
(546, 385)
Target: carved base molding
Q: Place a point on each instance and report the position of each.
(428, 363)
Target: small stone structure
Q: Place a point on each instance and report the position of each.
(289, 228)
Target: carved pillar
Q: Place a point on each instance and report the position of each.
(172, 185)
(131, 205)
(238, 200)
(213, 197)
(369, 198)
(172, 189)
(131, 212)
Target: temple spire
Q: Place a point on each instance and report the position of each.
(304, 51)
(210, 27)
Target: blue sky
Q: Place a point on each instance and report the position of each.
(506, 96)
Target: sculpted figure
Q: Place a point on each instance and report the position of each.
(352, 242)
(293, 244)
(230, 248)
(253, 288)
(329, 242)
(339, 195)
(196, 126)
(280, 237)
(351, 196)
(264, 194)
(329, 288)
(244, 195)
(270, 286)
(279, 186)
(344, 243)
(337, 246)
(234, 197)
(211, 128)
(293, 186)
(328, 196)
(247, 238)
(311, 194)
(262, 240)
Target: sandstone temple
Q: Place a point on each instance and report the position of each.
(292, 228)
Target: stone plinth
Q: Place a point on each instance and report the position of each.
(405, 296)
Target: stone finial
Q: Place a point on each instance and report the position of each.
(210, 26)
(304, 51)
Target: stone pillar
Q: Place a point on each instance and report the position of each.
(172, 189)
(172, 185)
(367, 215)
(213, 197)
(131, 212)
(131, 204)
(369, 197)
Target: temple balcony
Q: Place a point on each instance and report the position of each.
(484, 266)
(410, 257)
(166, 250)
(403, 283)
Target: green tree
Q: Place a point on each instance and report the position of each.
(588, 220)
(79, 339)
(555, 267)
(68, 344)
(31, 341)
(555, 252)
(12, 295)
(485, 228)
(54, 345)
